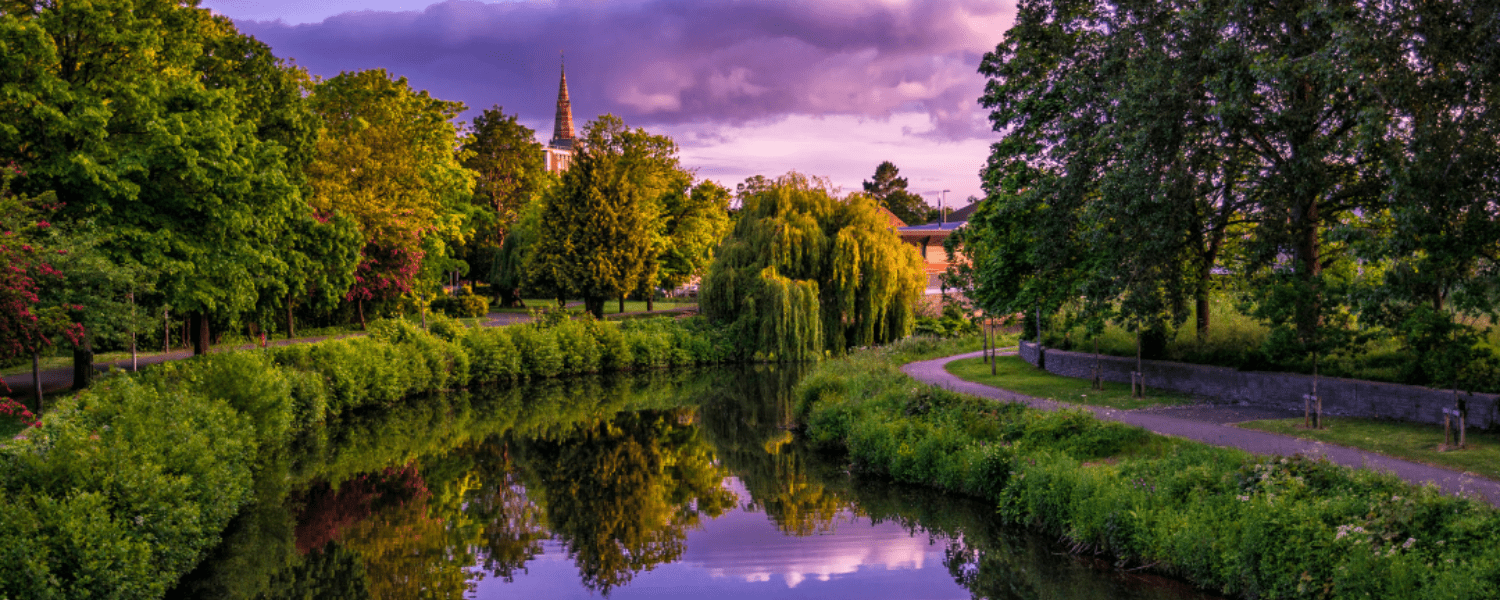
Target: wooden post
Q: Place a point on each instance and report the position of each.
(993, 359)
(1447, 429)
(984, 336)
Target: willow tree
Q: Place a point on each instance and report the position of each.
(804, 273)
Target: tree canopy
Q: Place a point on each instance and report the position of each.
(1322, 151)
(804, 273)
(888, 189)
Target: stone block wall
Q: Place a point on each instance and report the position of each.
(1341, 397)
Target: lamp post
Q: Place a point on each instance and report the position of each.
(942, 208)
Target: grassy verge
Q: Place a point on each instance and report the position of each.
(1416, 442)
(1016, 375)
(1244, 525)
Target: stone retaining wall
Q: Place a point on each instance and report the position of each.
(1341, 397)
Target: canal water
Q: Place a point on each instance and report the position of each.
(684, 484)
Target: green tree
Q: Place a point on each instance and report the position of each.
(889, 190)
(387, 158)
(804, 273)
(692, 225)
(120, 108)
(509, 172)
(601, 231)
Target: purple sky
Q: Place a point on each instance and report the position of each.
(746, 87)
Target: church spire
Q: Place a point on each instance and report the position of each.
(562, 129)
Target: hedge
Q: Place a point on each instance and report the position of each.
(122, 488)
(1246, 525)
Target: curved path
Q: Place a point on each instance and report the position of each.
(1259, 442)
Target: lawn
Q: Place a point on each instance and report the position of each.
(1417, 442)
(1016, 375)
(611, 307)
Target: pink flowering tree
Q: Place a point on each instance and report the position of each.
(27, 323)
(387, 269)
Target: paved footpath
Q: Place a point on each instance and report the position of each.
(1202, 426)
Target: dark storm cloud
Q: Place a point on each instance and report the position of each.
(675, 61)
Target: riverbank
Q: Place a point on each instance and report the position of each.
(1221, 518)
(125, 485)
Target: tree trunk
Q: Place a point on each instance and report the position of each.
(511, 298)
(166, 330)
(36, 379)
(1309, 266)
(198, 330)
(595, 306)
(622, 302)
(291, 324)
(134, 365)
(83, 362)
(361, 303)
(650, 300)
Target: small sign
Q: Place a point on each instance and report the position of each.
(1309, 397)
(1452, 412)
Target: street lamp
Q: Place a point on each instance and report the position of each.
(942, 210)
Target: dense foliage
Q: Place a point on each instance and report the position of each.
(1334, 159)
(1223, 519)
(624, 219)
(804, 273)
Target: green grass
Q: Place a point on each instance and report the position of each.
(611, 307)
(1415, 442)
(1016, 375)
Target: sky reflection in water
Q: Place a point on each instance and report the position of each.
(742, 554)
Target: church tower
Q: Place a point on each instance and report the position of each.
(559, 151)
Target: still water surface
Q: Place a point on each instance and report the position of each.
(666, 485)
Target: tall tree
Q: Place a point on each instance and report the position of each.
(889, 190)
(601, 226)
(387, 158)
(116, 106)
(509, 172)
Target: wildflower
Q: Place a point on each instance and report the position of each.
(42, 224)
(1409, 542)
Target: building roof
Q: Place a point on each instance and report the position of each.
(562, 127)
(891, 218)
(955, 220)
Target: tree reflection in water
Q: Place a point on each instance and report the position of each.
(423, 499)
(622, 494)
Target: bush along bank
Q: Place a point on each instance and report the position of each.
(1249, 526)
(123, 487)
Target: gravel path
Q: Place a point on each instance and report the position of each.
(1208, 424)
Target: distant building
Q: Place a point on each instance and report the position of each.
(558, 154)
(928, 238)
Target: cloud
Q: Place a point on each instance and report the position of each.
(674, 62)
